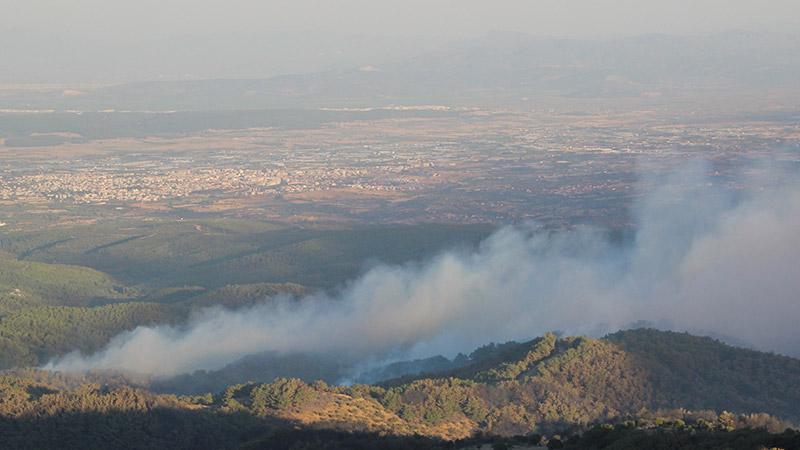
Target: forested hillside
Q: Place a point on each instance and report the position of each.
(71, 288)
(214, 253)
(31, 334)
(556, 390)
(48, 310)
(24, 283)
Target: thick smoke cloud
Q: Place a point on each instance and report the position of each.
(701, 260)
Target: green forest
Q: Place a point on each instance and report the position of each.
(211, 253)
(633, 389)
(74, 288)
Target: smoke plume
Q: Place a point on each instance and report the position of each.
(702, 259)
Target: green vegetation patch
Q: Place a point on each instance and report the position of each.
(55, 283)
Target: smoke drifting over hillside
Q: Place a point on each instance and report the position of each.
(701, 260)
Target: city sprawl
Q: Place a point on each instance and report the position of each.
(474, 167)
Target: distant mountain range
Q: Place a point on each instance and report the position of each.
(508, 65)
(498, 65)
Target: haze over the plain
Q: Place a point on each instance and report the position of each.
(123, 40)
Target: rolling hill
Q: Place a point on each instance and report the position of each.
(631, 387)
(32, 283)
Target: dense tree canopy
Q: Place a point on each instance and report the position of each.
(570, 392)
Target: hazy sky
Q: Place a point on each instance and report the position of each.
(131, 18)
(100, 41)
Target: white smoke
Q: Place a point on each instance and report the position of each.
(701, 260)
